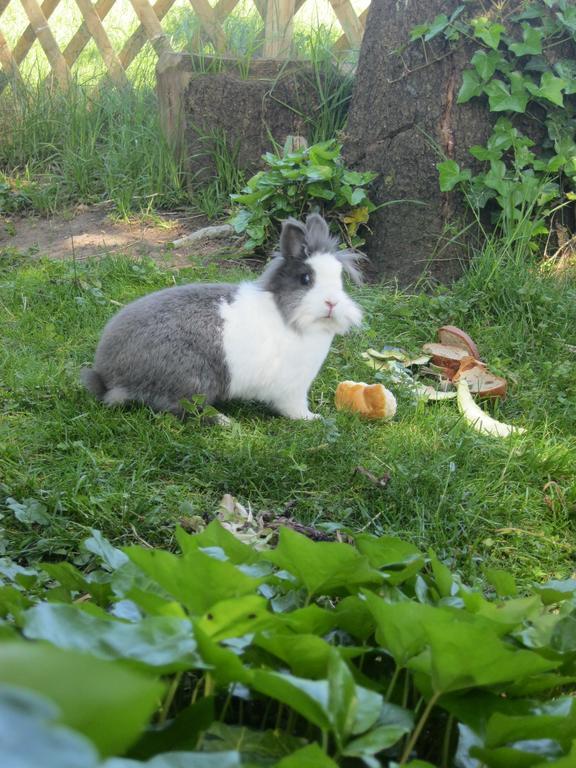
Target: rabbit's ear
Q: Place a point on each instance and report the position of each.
(318, 238)
(292, 239)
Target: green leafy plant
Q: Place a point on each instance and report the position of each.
(308, 653)
(516, 69)
(297, 182)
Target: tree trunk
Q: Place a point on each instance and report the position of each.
(403, 120)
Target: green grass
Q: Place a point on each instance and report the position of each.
(477, 500)
(96, 143)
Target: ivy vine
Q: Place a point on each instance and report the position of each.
(517, 69)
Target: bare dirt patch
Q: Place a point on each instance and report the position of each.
(89, 232)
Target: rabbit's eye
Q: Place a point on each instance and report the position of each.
(305, 278)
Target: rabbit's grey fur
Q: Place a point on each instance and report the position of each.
(177, 332)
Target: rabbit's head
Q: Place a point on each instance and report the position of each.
(305, 278)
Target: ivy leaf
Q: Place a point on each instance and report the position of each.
(437, 26)
(489, 32)
(419, 31)
(451, 175)
(551, 88)
(568, 18)
(503, 100)
(566, 69)
(532, 41)
(471, 86)
(486, 63)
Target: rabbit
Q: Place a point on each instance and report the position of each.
(263, 340)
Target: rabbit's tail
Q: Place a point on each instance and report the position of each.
(93, 382)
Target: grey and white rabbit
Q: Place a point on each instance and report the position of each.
(263, 340)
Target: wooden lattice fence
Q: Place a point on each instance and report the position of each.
(277, 15)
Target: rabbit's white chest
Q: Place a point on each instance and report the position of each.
(267, 360)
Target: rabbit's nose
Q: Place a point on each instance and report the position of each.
(330, 305)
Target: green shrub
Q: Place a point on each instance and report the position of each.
(298, 182)
(232, 653)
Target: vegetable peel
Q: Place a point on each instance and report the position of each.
(477, 418)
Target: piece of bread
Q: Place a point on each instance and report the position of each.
(446, 356)
(480, 380)
(373, 401)
(456, 337)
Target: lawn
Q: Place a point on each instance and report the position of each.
(476, 500)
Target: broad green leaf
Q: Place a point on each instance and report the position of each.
(29, 511)
(255, 745)
(483, 153)
(531, 41)
(74, 581)
(13, 601)
(486, 63)
(556, 591)
(568, 761)
(400, 626)
(181, 733)
(318, 190)
(358, 179)
(568, 18)
(306, 655)
(215, 535)
(382, 737)
(443, 578)
(237, 617)
(161, 642)
(322, 567)
(181, 760)
(310, 620)
(358, 196)
(524, 755)
(471, 86)
(111, 557)
(30, 735)
(502, 581)
(318, 172)
(566, 69)
(554, 720)
(225, 666)
(197, 580)
(353, 616)
(551, 88)
(488, 31)
(509, 613)
(458, 661)
(104, 700)
(501, 99)
(437, 26)
(451, 175)
(307, 697)
(342, 698)
(308, 757)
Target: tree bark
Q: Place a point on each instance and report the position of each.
(403, 120)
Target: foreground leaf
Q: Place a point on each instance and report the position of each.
(101, 699)
(163, 642)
